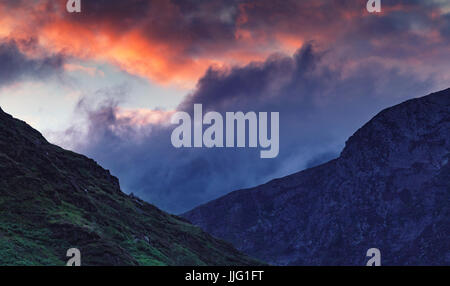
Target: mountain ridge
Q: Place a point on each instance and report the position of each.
(372, 195)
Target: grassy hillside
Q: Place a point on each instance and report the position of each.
(52, 200)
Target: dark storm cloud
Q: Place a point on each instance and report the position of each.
(191, 24)
(445, 26)
(413, 31)
(15, 65)
(319, 108)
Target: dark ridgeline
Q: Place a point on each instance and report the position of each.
(52, 200)
(389, 189)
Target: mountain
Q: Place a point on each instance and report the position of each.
(389, 189)
(52, 200)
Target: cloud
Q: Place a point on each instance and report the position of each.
(16, 65)
(177, 41)
(320, 105)
(92, 71)
(242, 56)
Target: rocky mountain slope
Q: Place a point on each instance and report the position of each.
(389, 189)
(52, 200)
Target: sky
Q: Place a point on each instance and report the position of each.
(105, 82)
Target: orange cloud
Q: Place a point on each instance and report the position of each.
(134, 50)
(130, 51)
